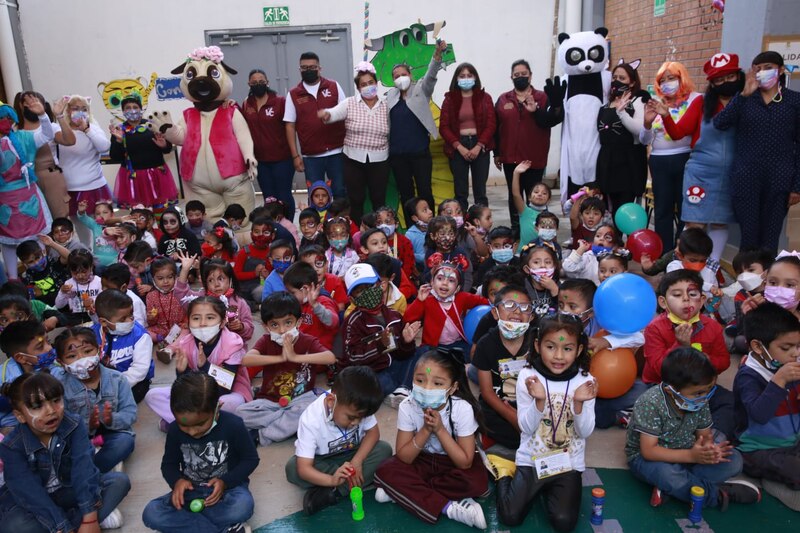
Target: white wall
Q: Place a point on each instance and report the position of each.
(72, 46)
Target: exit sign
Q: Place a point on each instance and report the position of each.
(276, 16)
(659, 7)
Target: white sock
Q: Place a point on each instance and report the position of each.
(719, 236)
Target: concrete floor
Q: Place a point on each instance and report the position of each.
(274, 496)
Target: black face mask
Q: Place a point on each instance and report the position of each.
(309, 76)
(522, 83)
(29, 115)
(729, 88)
(618, 88)
(258, 90)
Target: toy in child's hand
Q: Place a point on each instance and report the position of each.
(197, 505)
(66, 288)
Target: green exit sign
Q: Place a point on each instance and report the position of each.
(659, 7)
(276, 16)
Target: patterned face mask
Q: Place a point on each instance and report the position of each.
(369, 298)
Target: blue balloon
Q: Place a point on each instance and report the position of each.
(471, 320)
(624, 304)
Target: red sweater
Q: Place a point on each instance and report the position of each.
(659, 340)
(315, 136)
(689, 123)
(485, 119)
(310, 323)
(168, 311)
(433, 319)
(267, 128)
(335, 287)
(402, 249)
(241, 258)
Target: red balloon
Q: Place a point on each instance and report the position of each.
(644, 241)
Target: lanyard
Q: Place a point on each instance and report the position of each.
(552, 411)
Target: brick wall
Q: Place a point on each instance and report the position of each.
(689, 31)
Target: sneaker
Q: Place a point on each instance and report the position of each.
(382, 497)
(112, 521)
(318, 498)
(468, 512)
(501, 467)
(239, 528)
(623, 418)
(737, 491)
(397, 397)
(658, 498)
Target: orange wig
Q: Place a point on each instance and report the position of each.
(686, 84)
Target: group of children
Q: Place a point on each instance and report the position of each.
(383, 316)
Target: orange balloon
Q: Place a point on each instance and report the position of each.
(615, 372)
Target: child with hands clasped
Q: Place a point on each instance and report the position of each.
(100, 396)
(209, 347)
(436, 470)
(555, 410)
(670, 443)
(208, 456)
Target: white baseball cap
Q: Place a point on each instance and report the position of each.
(359, 274)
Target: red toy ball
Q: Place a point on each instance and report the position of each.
(644, 241)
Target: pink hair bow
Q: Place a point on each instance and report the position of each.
(787, 253)
(365, 66)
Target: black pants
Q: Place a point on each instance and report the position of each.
(360, 177)
(461, 168)
(778, 464)
(667, 174)
(140, 389)
(562, 495)
(500, 429)
(619, 198)
(410, 170)
(527, 181)
(723, 412)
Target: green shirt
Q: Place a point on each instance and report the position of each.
(527, 226)
(655, 414)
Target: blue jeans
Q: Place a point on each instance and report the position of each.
(235, 506)
(398, 374)
(677, 480)
(275, 179)
(117, 446)
(114, 486)
(332, 166)
(605, 410)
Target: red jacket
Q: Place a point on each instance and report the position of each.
(659, 340)
(519, 137)
(310, 323)
(254, 252)
(485, 119)
(433, 319)
(315, 136)
(267, 128)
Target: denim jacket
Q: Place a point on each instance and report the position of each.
(27, 464)
(114, 389)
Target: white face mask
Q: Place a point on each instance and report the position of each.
(402, 82)
(213, 424)
(122, 328)
(670, 87)
(205, 334)
(512, 330)
(278, 338)
(81, 368)
(750, 280)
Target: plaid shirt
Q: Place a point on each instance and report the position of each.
(367, 130)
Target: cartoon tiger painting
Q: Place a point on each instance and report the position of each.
(114, 91)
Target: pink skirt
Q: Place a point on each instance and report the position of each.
(91, 197)
(151, 187)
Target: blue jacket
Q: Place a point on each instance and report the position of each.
(27, 464)
(417, 238)
(114, 389)
(125, 351)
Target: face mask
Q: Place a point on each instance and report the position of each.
(258, 90)
(100, 221)
(580, 316)
(207, 333)
(675, 319)
(512, 330)
(445, 242)
(196, 223)
(213, 424)
(278, 338)
(729, 88)
(767, 79)
(369, 92)
(122, 328)
(78, 115)
(30, 116)
(208, 249)
(522, 83)
(480, 230)
(459, 221)
(5, 126)
(44, 360)
(81, 368)
(339, 244)
(547, 234)
(370, 298)
(134, 115)
(39, 265)
(164, 291)
(690, 404)
(310, 76)
(618, 88)
(670, 87)
(402, 82)
(261, 240)
(503, 256)
(772, 364)
(696, 266)
(465, 84)
(428, 398)
(597, 249)
(543, 272)
(422, 225)
(749, 280)
(281, 266)
(786, 297)
(387, 229)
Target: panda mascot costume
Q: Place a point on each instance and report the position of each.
(584, 58)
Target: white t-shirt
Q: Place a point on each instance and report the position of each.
(318, 436)
(139, 309)
(558, 422)
(290, 112)
(411, 418)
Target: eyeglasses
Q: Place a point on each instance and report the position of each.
(511, 306)
(305, 68)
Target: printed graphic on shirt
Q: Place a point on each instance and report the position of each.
(541, 306)
(346, 443)
(205, 461)
(556, 431)
(176, 246)
(289, 383)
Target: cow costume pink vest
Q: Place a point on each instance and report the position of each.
(223, 143)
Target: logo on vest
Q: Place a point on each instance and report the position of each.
(326, 93)
(270, 112)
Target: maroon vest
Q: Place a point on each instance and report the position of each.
(315, 136)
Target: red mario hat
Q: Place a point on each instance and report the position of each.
(721, 65)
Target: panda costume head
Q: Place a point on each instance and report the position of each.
(583, 53)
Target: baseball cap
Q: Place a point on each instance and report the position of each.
(721, 65)
(360, 274)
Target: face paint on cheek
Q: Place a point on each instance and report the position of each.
(183, 420)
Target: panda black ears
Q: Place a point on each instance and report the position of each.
(562, 37)
(602, 31)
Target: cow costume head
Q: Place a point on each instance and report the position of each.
(204, 75)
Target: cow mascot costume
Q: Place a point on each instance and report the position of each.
(217, 161)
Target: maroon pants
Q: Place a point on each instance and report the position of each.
(424, 487)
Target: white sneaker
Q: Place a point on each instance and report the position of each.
(397, 397)
(112, 521)
(468, 512)
(382, 497)
(119, 467)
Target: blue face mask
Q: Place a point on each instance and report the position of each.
(387, 229)
(691, 404)
(465, 84)
(281, 266)
(597, 249)
(428, 398)
(134, 115)
(45, 360)
(339, 244)
(503, 256)
(547, 234)
(39, 265)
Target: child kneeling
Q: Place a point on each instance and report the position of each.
(208, 456)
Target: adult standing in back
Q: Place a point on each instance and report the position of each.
(321, 143)
(264, 111)
(467, 125)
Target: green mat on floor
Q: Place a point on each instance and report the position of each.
(627, 502)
